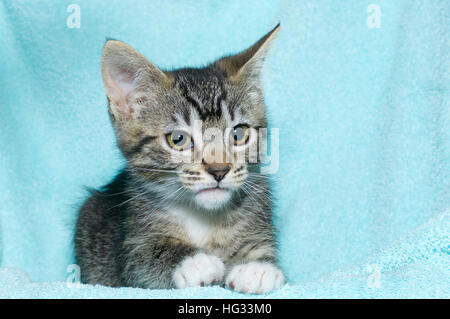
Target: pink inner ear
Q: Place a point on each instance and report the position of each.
(120, 86)
(125, 81)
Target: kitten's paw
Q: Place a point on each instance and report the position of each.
(199, 270)
(255, 278)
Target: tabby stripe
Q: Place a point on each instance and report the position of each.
(213, 100)
(239, 169)
(194, 103)
(221, 98)
(140, 145)
(231, 110)
(191, 172)
(245, 244)
(186, 116)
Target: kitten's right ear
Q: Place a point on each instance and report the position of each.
(129, 79)
(246, 66)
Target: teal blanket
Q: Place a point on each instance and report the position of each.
(360, 93)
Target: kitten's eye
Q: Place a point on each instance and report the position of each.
(179, 140)
(239, 134)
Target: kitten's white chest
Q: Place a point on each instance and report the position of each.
(199, 231)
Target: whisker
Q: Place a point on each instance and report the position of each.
(156, 170)
(132, 198)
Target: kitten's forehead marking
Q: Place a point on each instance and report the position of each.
(203, 91)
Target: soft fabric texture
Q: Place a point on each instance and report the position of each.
(363, 112)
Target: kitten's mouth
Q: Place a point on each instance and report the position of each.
(212, 190)
(212, 197)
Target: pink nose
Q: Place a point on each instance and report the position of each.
(217, 170)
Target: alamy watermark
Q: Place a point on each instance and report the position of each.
(73, 21)
(373, 280)
(374, 19)
(73, 280)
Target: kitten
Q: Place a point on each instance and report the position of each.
(178, 215)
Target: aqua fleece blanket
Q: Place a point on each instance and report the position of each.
(358, 90)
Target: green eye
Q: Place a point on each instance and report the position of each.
(179, 140)
(239, 134)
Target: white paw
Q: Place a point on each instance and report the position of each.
(199, 270)
(255, 278)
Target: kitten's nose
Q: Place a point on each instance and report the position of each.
(218, 170)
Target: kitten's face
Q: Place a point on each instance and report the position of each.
(191, 134)
(204, 128)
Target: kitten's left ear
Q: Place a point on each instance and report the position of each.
(247, 65)
(129, 78)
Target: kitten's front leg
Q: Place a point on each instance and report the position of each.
(171, 263)
(255, 277)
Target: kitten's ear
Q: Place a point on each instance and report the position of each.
(129, 79)
(247, 65)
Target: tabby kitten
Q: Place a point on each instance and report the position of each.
(179, 214)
